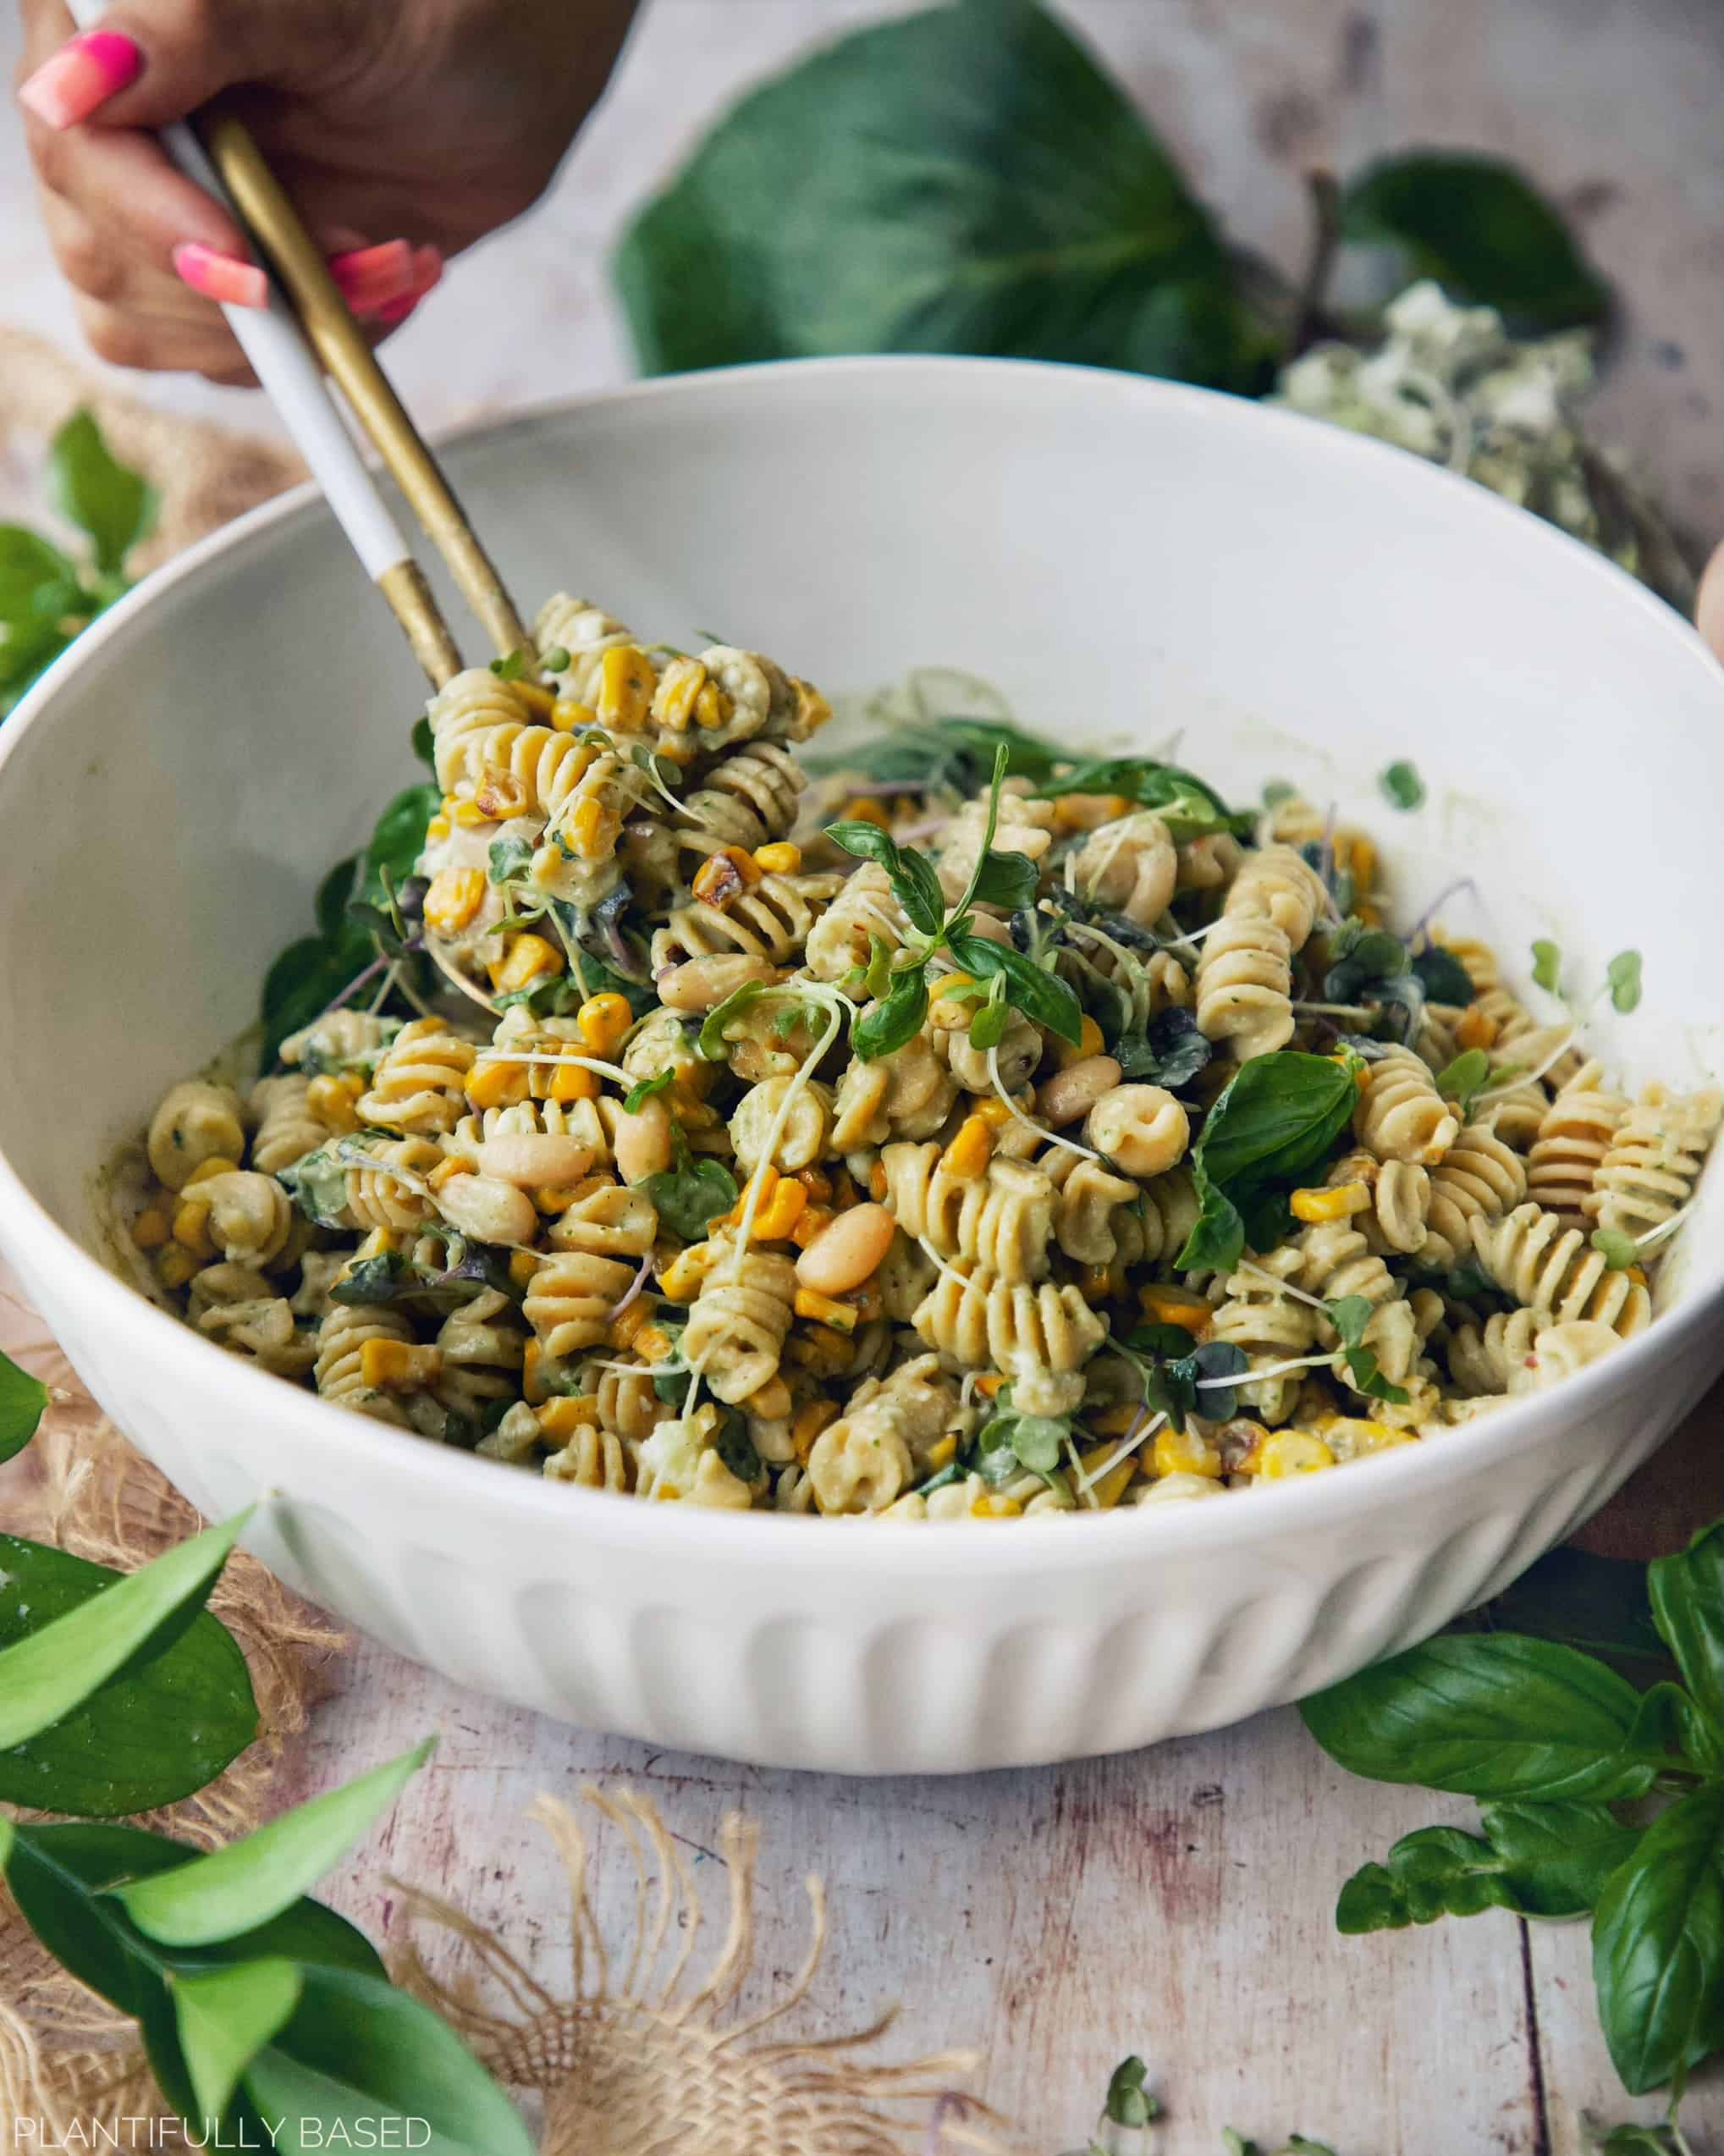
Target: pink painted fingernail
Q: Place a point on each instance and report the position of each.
(85, 72)
(371, 277)
(221, 276)
(427, 270)
(397, 311)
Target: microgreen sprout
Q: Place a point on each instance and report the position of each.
(1547, 965)
(1622, 975)
(1401, 785)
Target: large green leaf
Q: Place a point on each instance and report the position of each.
(225, 2017)
(1658, 1946)
(115, 505)
(164, 1728)
(1487, 1715)
(357, 2053)
(1277, 1118)
(1687, 1590)
(1481, 230)
(22, 1399)
(236, 1888)
(967, 179)
(32, 570)
(48, 1671)
(1545, 1860)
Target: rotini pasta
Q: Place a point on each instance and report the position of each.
(778, 1180)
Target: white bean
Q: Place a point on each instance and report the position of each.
(642, 1141)
(702, 983)
(487, 1208)
(534, 1159)
(1073, 1092)
(847, 1251)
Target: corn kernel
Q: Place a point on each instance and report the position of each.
(779, 859)
(1475, 1029)
(1334, 1205)
(1291, 1451)
(497, 1085)
(217, 1164)
(562, 1417)
(566, 715)
(551, 1198)
(332, 1104)
(1098, 1282)
(993, 1111)
(1175, 1306)
(1185, 1452)
(813, 710)
(629, 1324)
(724, 876)
(1089, 1043)
(176, 1266)
(586, 828)
(149, 1230)
(469, 815)
(859, 809)
(604, 1020)
(455, 896)
(942, 1453)
(652, 1343)
(447, 1171)
(522, 1266)
(532, 1369)
(1107, 1491)
(674, 699)
(625, 685)
(994, 1505)
(813, 1219)
(378, 1244)
(822, 1352)
(877, 1184)
(1115, 1421)
(810, 1421)
(968, 1155)
(538, 699)
(395, 1363)
(759, 1187)
(572, 1081)
(949, 984)
(711, 707)
(770, 1401)
(438, 830)
(1361, 864)
(1371, 1436)
(818, 1184)
(775, 1221)
(681, 1278)
(841, 1317)
(191, 1229)
(990, 1385)
(527, 959)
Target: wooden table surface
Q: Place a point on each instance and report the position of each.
(1177, 1902)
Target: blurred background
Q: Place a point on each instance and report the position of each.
(1612, 108)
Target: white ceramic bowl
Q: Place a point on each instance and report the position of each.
(1123, 557)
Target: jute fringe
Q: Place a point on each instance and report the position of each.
(649, 2056)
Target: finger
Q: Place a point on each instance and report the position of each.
(169, 344)
(123, 182)
(1709, 607)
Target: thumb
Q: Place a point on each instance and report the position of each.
(1709, 607)
(188, 51)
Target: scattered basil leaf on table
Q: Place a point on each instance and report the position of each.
(967, 179)
(162, 1725)
(1658, 1946)
(1687, 1595)
(1481, 230)
(1488, 1715)
(1546, 1860)
(23, 1400)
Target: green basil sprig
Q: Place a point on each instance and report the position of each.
(1279, 1116)
(1349, 1315)
(1538, 1859)
(953, 756)
(1189, 806)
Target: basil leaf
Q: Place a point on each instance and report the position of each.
(1658, 1946)
(1043, 998)
(889, 1025)
(305, 979)
(1401, 785)
(966, 179)
(224, 2017)
(736, 1448)
(1280, 1116)
(29, 566)
(53, 1668)
(1623, 974)
(1446, 979)
(1597, 1604)
(93, 490)
(1170, 1053)
(425, 743)
(362, 2064)
(1686, 1593)
(711, 1044)
(161, 1727)
(333, 894)
(1468, 1075)
(688, 1198)
(1129, 2104)
(1545, 1860)
(507, 858)
(866, 840)
(1189, 805)
(1486, 1715)
(390, 1277)
(1217, 1241)
(23, 1401)
(956, 754)
(916, 887)
(237, 1888)
(399, 840)
(317, 1184)
(1008, 881)
(1481, 230)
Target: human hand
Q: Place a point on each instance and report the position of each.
(403, 133)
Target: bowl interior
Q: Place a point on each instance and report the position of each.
(1125, 559)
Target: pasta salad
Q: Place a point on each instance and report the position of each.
(978, 1131)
